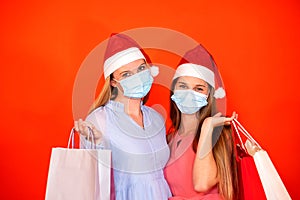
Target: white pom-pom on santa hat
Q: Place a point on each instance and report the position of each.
(121, 50)
(200, 64)
(220, 93)
(154, 70)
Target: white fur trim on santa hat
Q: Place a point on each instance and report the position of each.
(219, 93)
(154, 70)
(198, 71)
(120, 59)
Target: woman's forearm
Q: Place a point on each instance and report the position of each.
(205, 168)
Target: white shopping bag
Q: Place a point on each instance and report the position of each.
(270, 179)
(79, 174)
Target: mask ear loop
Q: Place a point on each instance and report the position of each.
(208, 93)
(116, 80)
(119, 89)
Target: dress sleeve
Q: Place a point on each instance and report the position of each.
(97, 118)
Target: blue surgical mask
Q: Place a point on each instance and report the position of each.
(189, 101)
(137, 85)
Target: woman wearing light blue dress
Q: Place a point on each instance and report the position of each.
(135, 133)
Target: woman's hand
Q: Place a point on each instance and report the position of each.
(83, 127)
(218, 120)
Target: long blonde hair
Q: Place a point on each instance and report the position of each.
(223, 150)
(104, 96)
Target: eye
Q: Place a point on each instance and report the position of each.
(199, 89)
(126, 74)
(141, 68)
(182, 86)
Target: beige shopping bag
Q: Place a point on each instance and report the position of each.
(79, 174)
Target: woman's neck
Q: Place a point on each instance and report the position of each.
(132, 107)
(188, 124)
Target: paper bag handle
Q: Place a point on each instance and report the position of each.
(239, 128)
(91, 134)
(238, 134)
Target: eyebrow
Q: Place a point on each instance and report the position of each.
(142, 64)
(198, 85)
(130, 71)
(182, 82)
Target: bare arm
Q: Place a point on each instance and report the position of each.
(205, 174)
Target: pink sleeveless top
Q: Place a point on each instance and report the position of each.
(179, 171)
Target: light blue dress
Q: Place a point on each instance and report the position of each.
(138, 154)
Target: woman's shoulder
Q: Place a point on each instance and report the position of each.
(96, 114)
(98, 118)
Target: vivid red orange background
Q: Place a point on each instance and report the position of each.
(255, 44)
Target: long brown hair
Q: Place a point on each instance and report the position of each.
(223, 150)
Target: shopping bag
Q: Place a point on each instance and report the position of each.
(270, 180)
(79, 174)
(250, 186)
(272, 183)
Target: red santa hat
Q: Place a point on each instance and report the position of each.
(200, 64)
(121, 50)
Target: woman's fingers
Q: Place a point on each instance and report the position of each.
(84, 128)
(228, 120)
(81, 127)
(219, 120)
(233, 116)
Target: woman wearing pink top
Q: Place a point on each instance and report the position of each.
(202, 164)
